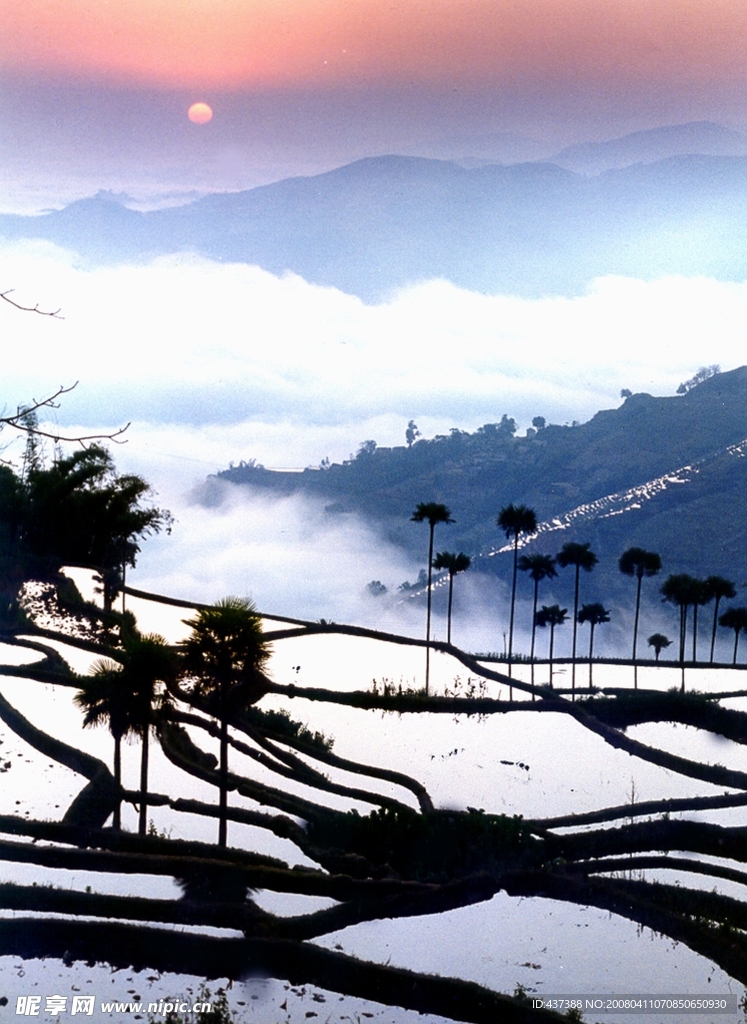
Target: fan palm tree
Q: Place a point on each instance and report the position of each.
(433, 513)
(131, 695)
(700, 596)
(223, 657)
(582, 557)
(639, 563)
(681, 590)
(594, 614)
(658, 641)
(455, 564)
(551, 616)
(736, 619)
(515, 520)
(717, 587)
(150, 663)
(104, 700)
(539, 567)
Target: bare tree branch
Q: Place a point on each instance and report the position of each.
(17, 421)
(30, 309)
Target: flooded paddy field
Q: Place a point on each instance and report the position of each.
(519, 762)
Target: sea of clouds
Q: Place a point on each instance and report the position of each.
(214, 363)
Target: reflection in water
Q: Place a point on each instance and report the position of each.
(527, 763)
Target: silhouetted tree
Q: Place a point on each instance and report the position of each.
(223, 657)
(129, 694)
(682, 590)
(551, 616)
(412, 433)
(582, 557)
(455, 564)
(515, 520)
(639, 563)
(703, 374)
(432, 513)
(736, 619)
(717, 588)
(104, 698)
(700, 596)
(594, 614)
(81, 512)
(540, 567)
(658, 641)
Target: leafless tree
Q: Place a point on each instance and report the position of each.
(24, 419)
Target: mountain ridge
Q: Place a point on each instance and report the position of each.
(383, 223)
(663, 473)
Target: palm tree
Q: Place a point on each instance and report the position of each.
(700, 596)
(433, 513)
(131, 696)
(584, 558)
(680, 589)
(515, 520)
(104, 700)
(455, 564)
(539, 567)
(639, 563)
(594, 614)
(717, 587)
(224, 656)
(552, 617)
(150, 663)
(658, 641)
(736, 619)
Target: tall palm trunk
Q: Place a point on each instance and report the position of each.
(591, 651)
(513, 606)
(695, 631)
(683, 638)
(637, 614)
(117, 818)
(736, 644)
(635, 629)
(534, 629)
(575, 630)
(552, 641)
(715, 622)
(428, 612)
(223, 774)
(448, 621)
(683, 626)
(142, 824)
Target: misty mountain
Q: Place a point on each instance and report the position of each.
(379, 224)
(702, 138)
(667, 474)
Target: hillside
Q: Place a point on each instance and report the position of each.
(665, 473)
(382, 223)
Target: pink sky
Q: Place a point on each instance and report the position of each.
(238, 44)
(96, 92)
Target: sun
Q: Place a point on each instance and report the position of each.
(200, 113)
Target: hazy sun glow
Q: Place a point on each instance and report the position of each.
(200, 113)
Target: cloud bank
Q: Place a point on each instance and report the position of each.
(216, 362)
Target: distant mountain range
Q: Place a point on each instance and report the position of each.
(698, 138)
(666, 474)
(380, 224)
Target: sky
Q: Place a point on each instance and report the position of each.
(95, 93)
(215, 363)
